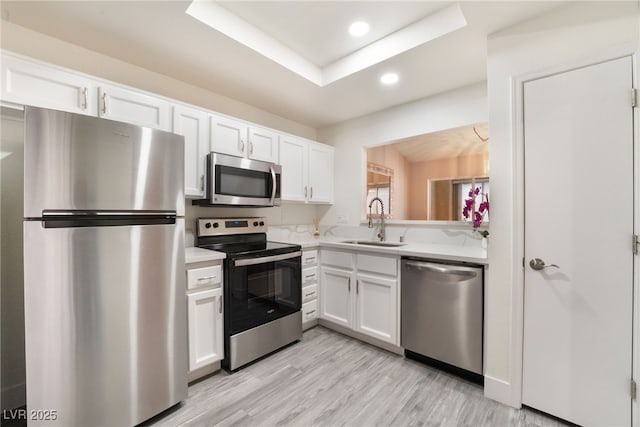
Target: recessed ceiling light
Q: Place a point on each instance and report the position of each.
(389, 79)
(358, 29)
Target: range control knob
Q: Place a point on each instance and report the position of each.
(261, 223)
(207, 225)
(255, 223)
(216, 225)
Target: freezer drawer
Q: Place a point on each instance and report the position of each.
(82, 163)
(106, 321)
(442, 312)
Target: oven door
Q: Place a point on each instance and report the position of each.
(259, 290)
(239, 181)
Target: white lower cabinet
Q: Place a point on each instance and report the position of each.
(335, 303)
(205, 318)
(360, 292)
(376, 307)
(309, 288)
(309, 311)
(205, 328)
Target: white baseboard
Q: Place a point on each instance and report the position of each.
(13, 396)
(500, 391)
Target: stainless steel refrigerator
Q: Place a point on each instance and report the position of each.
(105, 309)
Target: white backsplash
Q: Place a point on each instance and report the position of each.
(455, 235)
(276, 216)
(293, 223)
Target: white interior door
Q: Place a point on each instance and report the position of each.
(579, 215)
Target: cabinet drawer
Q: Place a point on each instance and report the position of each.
(377, 264)
(309, 293)
(310, 310)
(205, 276)
(309, 258)
(337, 259)
(309, 275)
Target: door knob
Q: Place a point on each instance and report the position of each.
(538, 264)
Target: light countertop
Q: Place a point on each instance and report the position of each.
(192, 255)
(472, 254)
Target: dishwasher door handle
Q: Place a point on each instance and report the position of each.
(444, 269)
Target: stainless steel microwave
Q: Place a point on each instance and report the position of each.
(237, 181)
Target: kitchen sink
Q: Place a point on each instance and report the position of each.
(374, 243)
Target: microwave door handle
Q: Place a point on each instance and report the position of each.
(262, 260)
(273, 185)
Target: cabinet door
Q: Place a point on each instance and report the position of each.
(377, 307)
(263, 145)
(205, 328)
(29, 83)
(335, 291)
(228, 136)
(320, 173)
(128, 106)
(293, 159)
(192, 124)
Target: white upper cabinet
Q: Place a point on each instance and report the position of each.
(307, 170)
(237, 138)
(133, 107)
(263, 145)
(320, 173)
(29, 83)
(293, 159)
(228, 136)
(193, 125)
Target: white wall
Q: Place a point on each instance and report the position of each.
(569, 36)
(457, 108)
(48, 49)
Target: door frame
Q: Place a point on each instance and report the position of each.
(517, 242)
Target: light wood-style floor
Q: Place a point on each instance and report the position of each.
(328, 379)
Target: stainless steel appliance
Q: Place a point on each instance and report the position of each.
(262, 288)
(105, 309)
(241, 182)
(442, 311)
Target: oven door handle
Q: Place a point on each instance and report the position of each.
(273, 184)
(263, 260)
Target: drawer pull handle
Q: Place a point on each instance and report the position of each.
(311, 312)
(310, 294)
(202, 279)
(310, 275)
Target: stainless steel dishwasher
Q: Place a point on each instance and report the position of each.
(442, 313)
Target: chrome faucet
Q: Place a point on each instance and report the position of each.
(381, 232)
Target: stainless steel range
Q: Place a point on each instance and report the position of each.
(262, 290)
